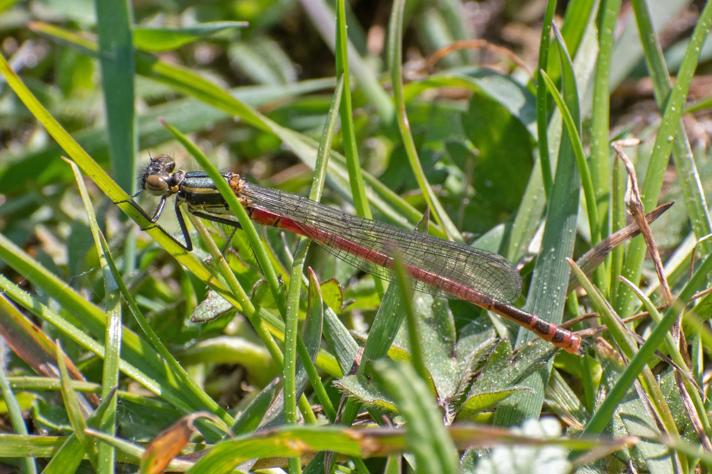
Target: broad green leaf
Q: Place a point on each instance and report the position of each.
(505, 155)
(333, 294)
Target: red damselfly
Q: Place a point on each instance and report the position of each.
(482, 278)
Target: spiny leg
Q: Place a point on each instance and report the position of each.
(183, 228)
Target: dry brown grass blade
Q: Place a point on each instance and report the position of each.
(169, 443)
(635, 206)
(33, 346)
(594, 257)
(478, 44)
(690, 409)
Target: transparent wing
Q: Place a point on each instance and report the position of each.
(489, 273)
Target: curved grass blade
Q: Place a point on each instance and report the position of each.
(425, 434)
(395, 56)
(646, 353)
(670, 137)
(167, 39)
(14, 411)
(76, 408)
(551, 274)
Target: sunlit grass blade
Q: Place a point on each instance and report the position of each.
(669, 137)
(574, 133)
(395, 57)
(167, 39)
(628, 347)
(292, 344)
(672, 349)
(547, 295)
(130, 452)
(646, 353)
(76, 409)
(353, 164)
(92, 169)
(542, 101)
(323, 19)
(72, 451)
(112, 342)
(14, 411)
(426, 436)
(238, 210)
(600, 114)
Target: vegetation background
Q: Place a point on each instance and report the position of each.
(497, 117)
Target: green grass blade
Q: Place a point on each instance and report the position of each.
(295, 282)
(92, 169)
(116, 56)
(187, 382)
(542, 101)
(68, 457)
(76, 408)
(322, 18)
(574, 132)
(251, 417)
(13, 408)
(646, 353)
(156, 382)
(188, 82)
(167, 39)
(123, 201)
(106, 455)
(576, 20)
(340, 341)
(548, 288)
(669, 134)
(673, 350)
(395, 57)
(312, 340)
(425, 434)
(381, 335)
(414, 336)
(628, 347)
(600, 113)
(238, 210)
(353, 165)
(129, 452)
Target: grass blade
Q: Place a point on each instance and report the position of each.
(425, 434)
(395, 56)
(665, 140)
(13, 409)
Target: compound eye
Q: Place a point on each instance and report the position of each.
(167, 163)
(156, 185)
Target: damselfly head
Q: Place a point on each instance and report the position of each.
(159, 178)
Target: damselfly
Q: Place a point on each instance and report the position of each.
(482, 278)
